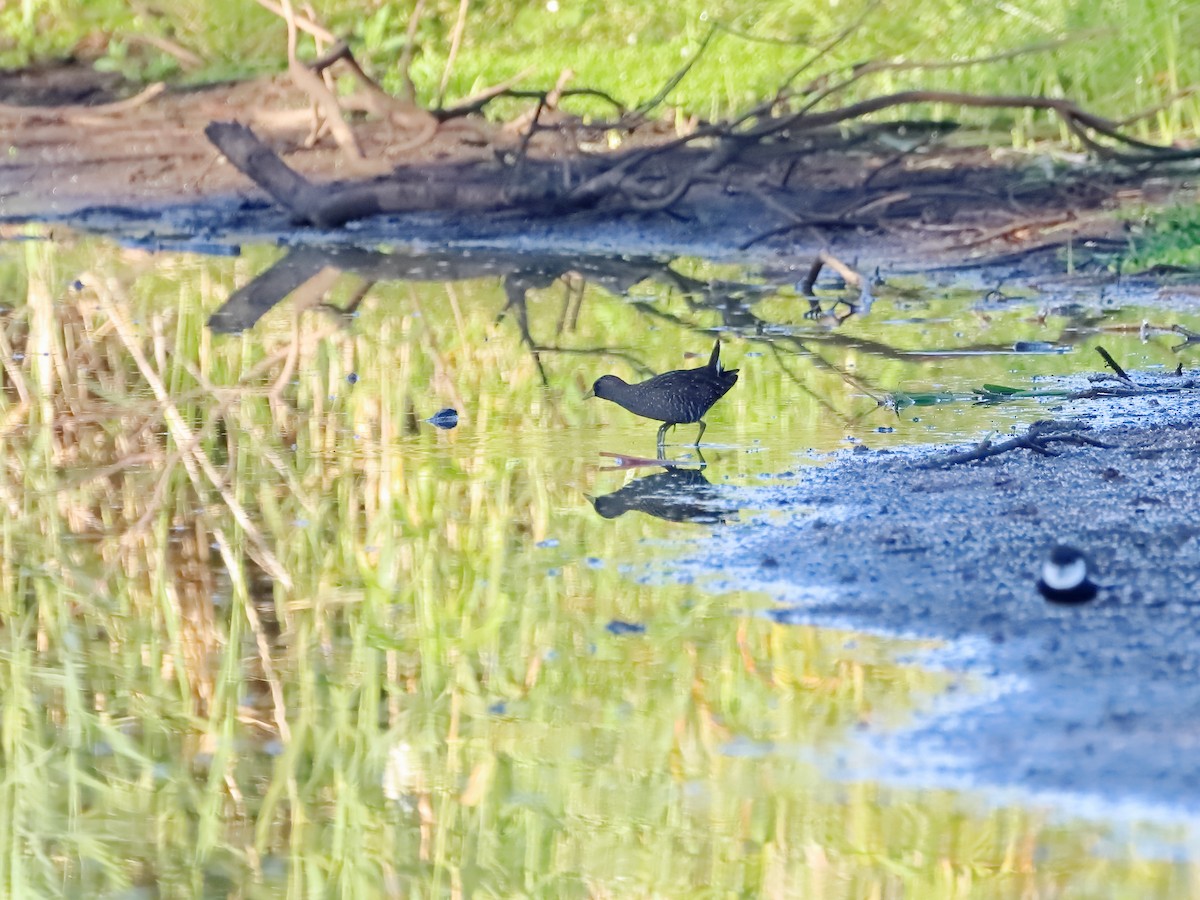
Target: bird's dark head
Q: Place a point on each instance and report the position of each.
(1065, 568)
(608, 505)
(1065, 577)
(607, 387)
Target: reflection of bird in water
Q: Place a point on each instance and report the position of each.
(673, 398)
(677, 495)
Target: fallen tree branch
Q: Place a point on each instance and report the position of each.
(79, 111)
(1112, 364)
(850, 276)
(330, 207)
(1037, 438)
(648, 180)
(249, 155)
(1078, 120)
(1188, 384)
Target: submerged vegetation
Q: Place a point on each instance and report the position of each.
(265, 632)
(262, 632)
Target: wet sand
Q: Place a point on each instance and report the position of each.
(1098, 703)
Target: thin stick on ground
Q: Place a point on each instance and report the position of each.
(322, 97)
(1037, 438)
(1078, 120)
(378, 99)
(76, 112)
(1112, 364)
(476, 102)
(849, 275)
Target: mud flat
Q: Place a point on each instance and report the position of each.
(141, 169)
(1098, 703)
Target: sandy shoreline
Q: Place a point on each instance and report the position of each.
(1098, 702)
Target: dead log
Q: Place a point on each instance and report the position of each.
(650, 179)
(330, 206)
(253, 158)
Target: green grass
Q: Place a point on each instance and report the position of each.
(1118, 57)
(1170, 237)
(417, 704)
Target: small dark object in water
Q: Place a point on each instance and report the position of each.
(619, 628)
(1037, 347)
(444, 418)
(352, 378)
(673, 398)
(1065, 577)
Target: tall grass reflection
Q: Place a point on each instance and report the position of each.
(265, 632)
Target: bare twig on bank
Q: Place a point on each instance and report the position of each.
(651, 179)
(1036, 438)
(79, 112)
(1112, 364)
(852, 278)
(322, 97)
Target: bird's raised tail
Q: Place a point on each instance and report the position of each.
(714, 361)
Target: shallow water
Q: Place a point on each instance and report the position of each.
(266, 630)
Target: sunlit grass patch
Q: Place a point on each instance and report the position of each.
(1170, 237)
(1118, 57)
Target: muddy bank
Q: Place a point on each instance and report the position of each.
(1098, 702)
(142, 170)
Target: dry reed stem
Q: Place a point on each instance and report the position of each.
(456, 36)
(134, 532)
(228, 396)
(302, 23)
(323, 98)
(195, 461)
(278, 700)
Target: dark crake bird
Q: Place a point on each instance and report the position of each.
(673, 398)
